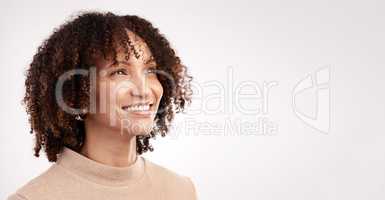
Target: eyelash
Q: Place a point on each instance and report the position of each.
(116, 71)
(151, 69)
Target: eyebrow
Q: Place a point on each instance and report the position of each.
(152, 59)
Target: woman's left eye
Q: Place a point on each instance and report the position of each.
(151, 70)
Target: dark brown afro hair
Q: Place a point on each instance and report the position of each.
(73, 45)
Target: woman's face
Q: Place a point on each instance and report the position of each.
(128, 92)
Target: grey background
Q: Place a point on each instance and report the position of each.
(263, 41)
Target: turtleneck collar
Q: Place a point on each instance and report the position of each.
(101, 173)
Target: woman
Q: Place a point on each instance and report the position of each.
(98, 89)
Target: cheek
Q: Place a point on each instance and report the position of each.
(158, 89)
(108, 94)
(102, 97)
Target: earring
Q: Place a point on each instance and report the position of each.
(78, 117)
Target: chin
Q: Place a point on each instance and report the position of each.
(136, 126)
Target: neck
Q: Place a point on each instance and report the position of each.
(108, 146)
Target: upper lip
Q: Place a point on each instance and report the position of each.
(138, 103)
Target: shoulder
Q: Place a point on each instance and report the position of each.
(172, 184)
(35, 187)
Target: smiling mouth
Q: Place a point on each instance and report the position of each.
(144, 109)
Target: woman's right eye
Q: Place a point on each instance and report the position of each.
(118, 72)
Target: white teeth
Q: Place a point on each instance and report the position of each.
(136, 108)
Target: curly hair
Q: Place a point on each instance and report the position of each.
(74, 45)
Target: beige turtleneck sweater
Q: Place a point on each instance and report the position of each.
(76, 177)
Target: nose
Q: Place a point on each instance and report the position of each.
(140, 86)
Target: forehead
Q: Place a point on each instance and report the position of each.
(137, 47)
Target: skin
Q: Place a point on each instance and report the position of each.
(111, 132)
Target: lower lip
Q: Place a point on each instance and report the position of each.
(144, 114)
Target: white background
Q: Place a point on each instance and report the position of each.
(281, 41)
